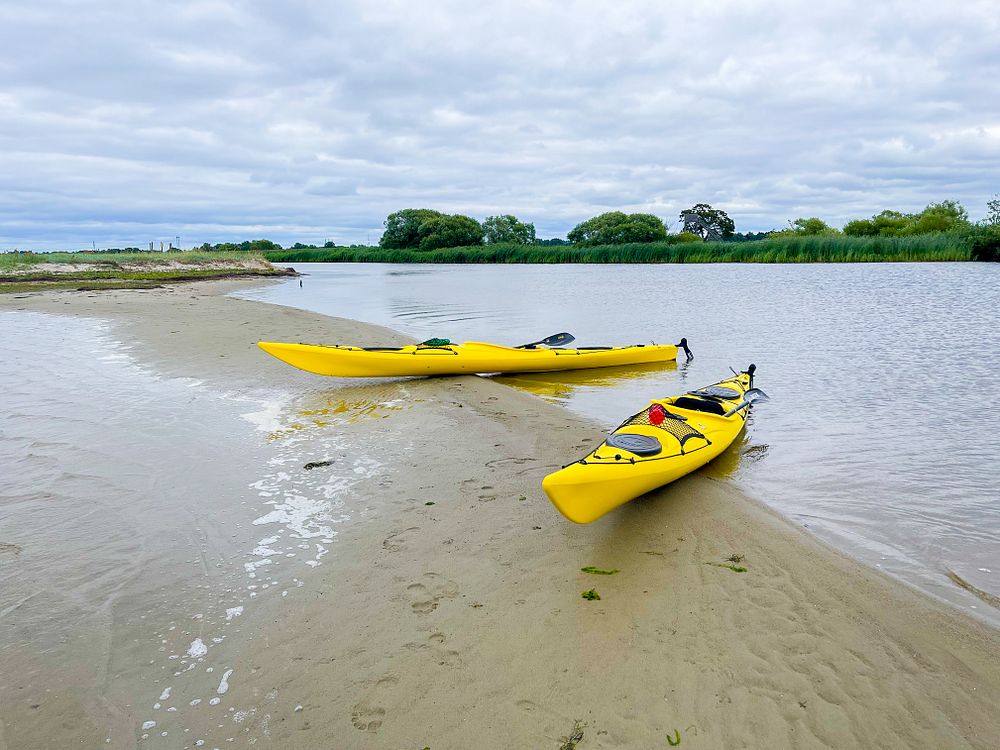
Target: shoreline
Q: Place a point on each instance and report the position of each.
(471, 606)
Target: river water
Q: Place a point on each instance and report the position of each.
(146, 523)
(883, 432)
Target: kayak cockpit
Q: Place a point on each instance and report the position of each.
(691, 403)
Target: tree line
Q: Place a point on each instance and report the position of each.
(425, 230)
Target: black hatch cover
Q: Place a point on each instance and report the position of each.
(640, 445)
(717, 391)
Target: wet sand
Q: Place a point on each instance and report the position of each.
(448, 613)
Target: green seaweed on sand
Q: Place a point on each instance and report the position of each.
(598, 572)
(574, 738)
(734, 568)
(591, 595)
(429, 502)
(674, 740)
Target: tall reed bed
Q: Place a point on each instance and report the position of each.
(815, 249)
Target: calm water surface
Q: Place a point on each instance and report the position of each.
(883, 434)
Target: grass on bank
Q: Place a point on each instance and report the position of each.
(12, 261)
(24, 272)
(809, 249)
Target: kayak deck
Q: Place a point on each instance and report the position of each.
(458, 359)
(668, 439)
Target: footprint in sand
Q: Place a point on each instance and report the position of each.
(425, 594)
(398, 539)
(367, 718)
(445, 657)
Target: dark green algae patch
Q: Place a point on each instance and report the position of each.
(734, 568)
(598, 571)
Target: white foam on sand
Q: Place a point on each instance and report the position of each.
(197, 649)
(268, 417)
(233, 612)
(165, 694)
(224, 683)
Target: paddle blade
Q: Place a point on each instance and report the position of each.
(556, 339)
(753, 396)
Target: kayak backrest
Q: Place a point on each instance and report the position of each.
(699, 404)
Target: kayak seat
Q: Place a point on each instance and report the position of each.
(674, 424)
(699, 404)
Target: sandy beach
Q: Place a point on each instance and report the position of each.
(448, 614)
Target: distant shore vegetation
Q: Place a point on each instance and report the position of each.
(940, 232)
(126, 268)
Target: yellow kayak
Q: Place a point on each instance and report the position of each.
(668, 439)
(459, 359)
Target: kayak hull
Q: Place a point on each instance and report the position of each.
(610, 476)
(457, 359)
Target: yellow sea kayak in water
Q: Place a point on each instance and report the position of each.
(461, 359)
(666, 440)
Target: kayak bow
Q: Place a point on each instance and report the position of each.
(668, 439)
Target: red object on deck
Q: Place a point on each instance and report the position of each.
(657, 414)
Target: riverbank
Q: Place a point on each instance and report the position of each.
(25, 272)
(448, 609)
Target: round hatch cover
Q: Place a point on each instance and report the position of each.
(640, 445)
(718, 391)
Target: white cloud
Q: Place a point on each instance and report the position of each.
(124, 123)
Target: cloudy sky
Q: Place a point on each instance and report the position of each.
(128, 122)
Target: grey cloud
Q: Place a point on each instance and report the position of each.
(222, 120)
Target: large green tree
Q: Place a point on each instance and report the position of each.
(402, 229)
(617, 228)
(507, 229)
(450, 231)
(710, 221)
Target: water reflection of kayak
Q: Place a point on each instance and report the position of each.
(561, 385)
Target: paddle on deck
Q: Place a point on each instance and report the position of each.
(556, 339)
